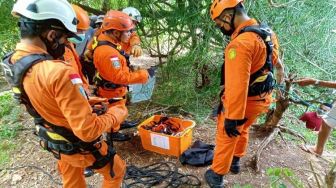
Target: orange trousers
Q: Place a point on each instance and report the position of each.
(227, 147)
(71, 168)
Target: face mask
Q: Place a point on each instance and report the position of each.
(226, 32)
(76, 41)
(57, 51)
(232, 29)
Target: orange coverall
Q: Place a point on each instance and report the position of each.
(61, 100)
(134, 40)
(112, 66)
(71, 56)
(244, 55)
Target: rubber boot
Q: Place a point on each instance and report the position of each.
(213, 179)
(235, 166)
(119, 137)
(128, 124)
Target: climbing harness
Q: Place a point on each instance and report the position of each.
(263, 80)
(53, 138)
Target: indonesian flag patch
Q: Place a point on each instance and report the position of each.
(115, 62)
(75, 79)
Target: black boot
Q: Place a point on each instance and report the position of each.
(119, 137)
(88, 172)
(213, 179)
(128, 124)
(235, 167)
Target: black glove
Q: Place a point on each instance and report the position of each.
(151, 71)
(230, 126)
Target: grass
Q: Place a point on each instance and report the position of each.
(10, 116)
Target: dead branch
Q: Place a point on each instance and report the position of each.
(291, 132)
(281, 105)
(283, 139)
(315, 174)
(330, 177)
(264, 143)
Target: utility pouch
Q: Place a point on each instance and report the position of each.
(263, 84)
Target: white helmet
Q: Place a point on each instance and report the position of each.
(100, 19)
(60, 10)
(133, 13)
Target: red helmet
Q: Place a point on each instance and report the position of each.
(218, 6)
(117, 20)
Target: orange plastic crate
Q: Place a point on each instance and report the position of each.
(166, 144)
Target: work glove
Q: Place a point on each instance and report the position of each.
(119, 114)
(136, 50)
(230, 126)
(98, 105)
(151, 71)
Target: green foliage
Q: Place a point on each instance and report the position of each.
(6, 146)
(10, 116)
(103, 4)
(283, 177)
(9, 32)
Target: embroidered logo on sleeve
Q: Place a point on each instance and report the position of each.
(75, 79)
(232, 53)
(82, 91)
(115, 62)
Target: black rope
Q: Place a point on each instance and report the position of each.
(164, 173)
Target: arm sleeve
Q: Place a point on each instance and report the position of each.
(72, 101)
(238, 60)
(117, 71)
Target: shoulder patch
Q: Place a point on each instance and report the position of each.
(75, 79)
(232, 53)
(115, 62)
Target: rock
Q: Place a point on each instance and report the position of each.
(16, 178)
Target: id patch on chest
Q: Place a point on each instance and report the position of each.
(115, 62)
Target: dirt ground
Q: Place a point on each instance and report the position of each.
(30, 157)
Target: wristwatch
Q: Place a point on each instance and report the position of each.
(317, 82)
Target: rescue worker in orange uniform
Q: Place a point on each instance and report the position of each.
(248, 82)
(70, 54)
(53, 93)
(132, 47)
(112, 63)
